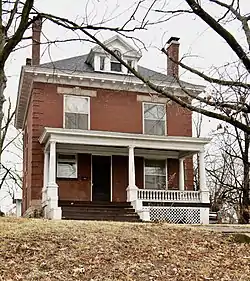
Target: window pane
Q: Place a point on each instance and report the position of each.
(154, 111)
(76, 121)
(82, 121)
(116, 66)
(154, 127)
(157, 167)
(102, 63)
(66, 170)
(76, 104)
(155, 182)
(70, 121)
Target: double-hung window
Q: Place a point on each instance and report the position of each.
(115, 65)
(155, 174)
(76, 112)
(67, 166)
(154, 119)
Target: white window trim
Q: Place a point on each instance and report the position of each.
(166, 172)
(84, 97)
(165, 116)
(66, 153)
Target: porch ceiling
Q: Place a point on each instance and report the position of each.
(183, 145)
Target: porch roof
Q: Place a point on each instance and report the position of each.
(115, 139)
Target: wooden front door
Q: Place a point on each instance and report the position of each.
(101, 178)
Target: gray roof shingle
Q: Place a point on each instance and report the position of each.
(79, 64)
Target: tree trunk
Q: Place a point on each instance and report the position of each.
(245, 206)
(2, 100)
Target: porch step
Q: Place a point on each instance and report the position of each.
(108, 211)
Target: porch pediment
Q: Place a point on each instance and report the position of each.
(115, 139)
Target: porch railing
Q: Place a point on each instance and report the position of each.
(168, 195)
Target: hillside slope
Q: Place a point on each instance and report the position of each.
(66, 250)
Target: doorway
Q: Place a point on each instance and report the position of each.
(101, 178)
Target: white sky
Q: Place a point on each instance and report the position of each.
(206, 47)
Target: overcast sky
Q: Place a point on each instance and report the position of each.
(196, 39)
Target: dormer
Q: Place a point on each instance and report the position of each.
(103, 62)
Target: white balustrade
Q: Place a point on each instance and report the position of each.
(168, 195)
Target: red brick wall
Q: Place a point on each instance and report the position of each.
(116, 111)
(80, 188)
(179, 121)
(110, 110)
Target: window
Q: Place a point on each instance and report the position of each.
(155, 174)
(76, 110)
(102, 63)
(130, 63)
(154, 119)
(115, 65)
(66, 166)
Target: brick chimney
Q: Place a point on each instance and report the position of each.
(173, 53)
(36, 35)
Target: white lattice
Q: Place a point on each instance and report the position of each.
(175, 215)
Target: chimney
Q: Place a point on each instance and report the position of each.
(173, 53)
(36, 35)
(28, 61)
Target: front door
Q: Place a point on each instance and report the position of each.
(101, 178)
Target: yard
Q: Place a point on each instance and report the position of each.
(34, 249)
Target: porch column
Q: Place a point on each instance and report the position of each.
(45, 178)
(204, 192)
(203, 187)
(132, 188)
(54, 212)
(181, 174)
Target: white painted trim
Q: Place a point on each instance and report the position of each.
(166, 172)
(165, 119)
(113, 139)
(54, 73)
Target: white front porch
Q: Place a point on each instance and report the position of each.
(151, 205)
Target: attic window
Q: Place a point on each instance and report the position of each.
(102, 63)
(115, 65)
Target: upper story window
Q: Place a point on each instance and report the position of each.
(102, 63)
(154, 119)
(67, 166)
(76, 112)
(115, 65)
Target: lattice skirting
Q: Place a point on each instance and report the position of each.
(185, 215)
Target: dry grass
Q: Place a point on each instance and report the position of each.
(49, 250)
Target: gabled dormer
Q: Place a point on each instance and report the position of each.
(104, 62)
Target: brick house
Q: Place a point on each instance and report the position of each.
(99, 144)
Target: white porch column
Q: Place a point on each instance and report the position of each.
(203, 187)
(181, 174)
(45, 178)
(132, 188)
(54, 212)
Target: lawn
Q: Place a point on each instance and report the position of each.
(34, 249)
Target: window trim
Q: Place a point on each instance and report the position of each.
(85, 97)
(76, 162)
(165, 118)
(166, 173)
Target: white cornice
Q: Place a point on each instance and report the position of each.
(48, 75)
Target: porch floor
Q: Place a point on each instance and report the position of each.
(98, 210)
